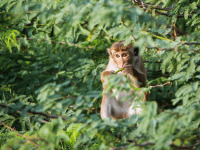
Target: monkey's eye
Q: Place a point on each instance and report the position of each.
(117, 55)
(125, 55)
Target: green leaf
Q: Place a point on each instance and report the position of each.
(177, 76)
(191, 69)
(183, 90)
(166, 61)
(193, 5)
(186, 13)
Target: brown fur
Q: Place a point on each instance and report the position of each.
(119, 46)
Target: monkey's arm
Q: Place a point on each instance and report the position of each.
(141, 77)
(137, 79)
(105, 107)
(132, 77)
(139, 71)
(105, 104)
(105, 74)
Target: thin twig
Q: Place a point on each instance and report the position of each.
(174, 26)
(191, 43)
(119, 148)
(20, 134)
(149, 5)
(191, 147)
(140, 145)
(47, 115)
(56, 42)
(147, 61)
(132, 37)
(158, 48)
(135, 144)
(154, 86)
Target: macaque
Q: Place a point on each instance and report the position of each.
(128, 58)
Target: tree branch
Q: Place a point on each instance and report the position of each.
(90, 47)
(157, 8)
(184, 43)
(20, 135)
(35, 113)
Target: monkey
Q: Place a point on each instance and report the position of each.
(128, 58)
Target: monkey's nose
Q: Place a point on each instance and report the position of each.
(120, 66)
(124, 65)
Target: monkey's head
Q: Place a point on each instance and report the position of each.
(123, 56)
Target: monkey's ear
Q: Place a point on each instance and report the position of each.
(136, 51)
(109, 51)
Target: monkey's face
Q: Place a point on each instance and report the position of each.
(122, 59)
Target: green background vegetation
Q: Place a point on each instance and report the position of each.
(53, 51)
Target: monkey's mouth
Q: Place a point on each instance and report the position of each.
(126, 66)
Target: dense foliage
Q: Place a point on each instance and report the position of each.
(53, 51)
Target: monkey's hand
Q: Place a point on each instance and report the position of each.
(128, 69)
(106, 73)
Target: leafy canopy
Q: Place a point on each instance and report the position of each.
(53, 51)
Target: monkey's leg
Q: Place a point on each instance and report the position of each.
(106, 106)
